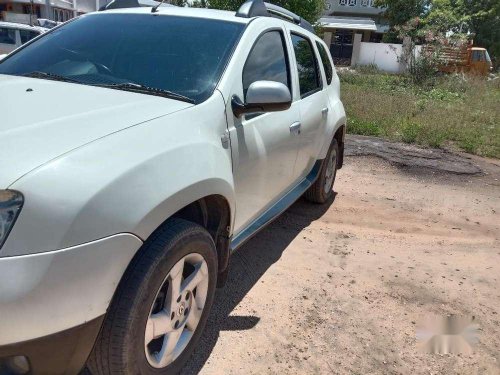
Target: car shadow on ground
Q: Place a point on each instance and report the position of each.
(248, 265)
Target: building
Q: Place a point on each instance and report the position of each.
(344, 18)
(55, 10)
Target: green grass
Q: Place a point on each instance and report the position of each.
(451, 110)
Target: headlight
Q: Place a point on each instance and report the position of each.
(10, 206)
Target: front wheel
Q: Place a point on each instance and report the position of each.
(322, 189)
(161, 306)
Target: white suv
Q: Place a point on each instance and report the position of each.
(13, 35)
(139, 148)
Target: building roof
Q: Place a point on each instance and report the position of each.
(351, 23)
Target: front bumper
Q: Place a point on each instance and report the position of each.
(53, 298)
(60, 353)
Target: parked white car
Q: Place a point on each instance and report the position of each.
(13, 35)
(140, 147)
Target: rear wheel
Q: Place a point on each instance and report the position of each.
(161, 306)
(322, 189)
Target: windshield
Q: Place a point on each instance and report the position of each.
(181, 55)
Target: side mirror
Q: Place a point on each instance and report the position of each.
(263, 96)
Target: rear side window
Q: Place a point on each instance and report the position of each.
(309, 78)
(7, 36)
(267, 61)
(326, 62)
(27, 35)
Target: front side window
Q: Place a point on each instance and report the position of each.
(309, 78)
(183, 55)
(478, 56)
(267, 61)
(7, 36)
(326, 62)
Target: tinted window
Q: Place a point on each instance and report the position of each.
(267, 61)
(27, 35)
(309, 77)
(326, 62)
(180, 54)
(477, 56)
(7, 36)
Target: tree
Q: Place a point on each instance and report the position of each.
(399, 12)
(199, 4)
(479, 19)
(484, 23)
(310, 10)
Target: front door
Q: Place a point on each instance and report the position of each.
(264, 146)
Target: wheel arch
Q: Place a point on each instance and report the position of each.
(209, 204)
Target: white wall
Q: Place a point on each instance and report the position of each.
(383, 55)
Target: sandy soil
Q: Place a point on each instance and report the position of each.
(339, 288)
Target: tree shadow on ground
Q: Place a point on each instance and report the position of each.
(248, 265)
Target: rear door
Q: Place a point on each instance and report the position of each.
(314, 105)
(264, 146)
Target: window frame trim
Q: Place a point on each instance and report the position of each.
(287, 57)
(318, 70)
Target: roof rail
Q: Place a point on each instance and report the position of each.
(120, 4)
(256, 8)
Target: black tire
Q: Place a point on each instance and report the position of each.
(317, 192)
(120, 348)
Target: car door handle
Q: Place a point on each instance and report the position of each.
(324, 111)
(295, 128)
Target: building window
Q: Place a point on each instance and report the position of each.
(351, 3)
(62, 15)
(343, 2)
(36, 10)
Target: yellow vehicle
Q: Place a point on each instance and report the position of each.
(465, 58)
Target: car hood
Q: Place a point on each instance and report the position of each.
(42, 119)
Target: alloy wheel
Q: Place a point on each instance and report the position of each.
(331, 170)
(176, 310)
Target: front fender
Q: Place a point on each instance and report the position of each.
(129, 182)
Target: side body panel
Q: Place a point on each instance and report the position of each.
(313, 112)
(336, 116)
(264, 149)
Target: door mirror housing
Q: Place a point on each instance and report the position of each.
(263, 96)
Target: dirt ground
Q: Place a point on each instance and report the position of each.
(340, 288)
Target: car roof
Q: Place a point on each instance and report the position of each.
(216, 14)
(22, 26)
